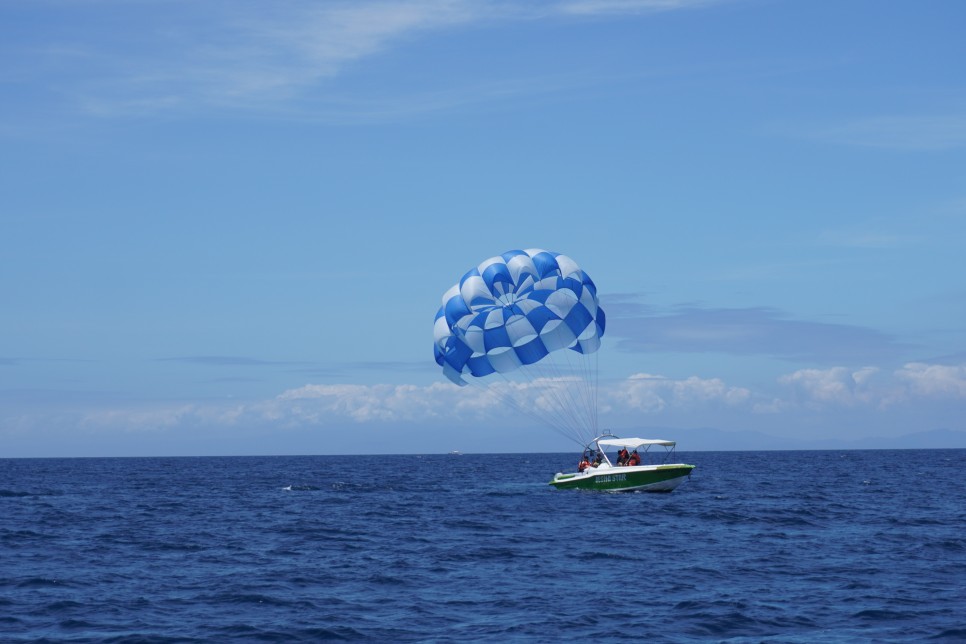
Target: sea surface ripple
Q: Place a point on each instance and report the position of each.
(820, 546)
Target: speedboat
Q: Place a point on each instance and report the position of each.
(654, 473)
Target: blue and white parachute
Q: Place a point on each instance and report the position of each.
(515, 311)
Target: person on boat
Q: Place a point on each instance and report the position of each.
(584, 464)
(635, 459)
(622, 456)
(598, 459)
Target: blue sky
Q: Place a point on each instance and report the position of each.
(227, 226)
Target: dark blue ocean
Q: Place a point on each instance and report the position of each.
(820, 546)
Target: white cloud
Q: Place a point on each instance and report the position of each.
(333, 405)
(330, 35)
(914, 383)
(916, 388)
(258, 56)
(366, 403)
(653, 393)
(411, 403)
(837, 386)
(933, 380)
(321, 39)
(587, 7)
(907, 132)
(150, 418)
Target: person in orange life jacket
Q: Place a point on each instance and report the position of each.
(635, 459)
(584, 464)
(622, 456)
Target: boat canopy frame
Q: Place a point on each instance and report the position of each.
(609, 440)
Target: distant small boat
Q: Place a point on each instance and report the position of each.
(602, 474)
(456, 452)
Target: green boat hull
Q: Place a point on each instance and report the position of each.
(659, 478)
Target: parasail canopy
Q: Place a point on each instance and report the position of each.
(514, 310)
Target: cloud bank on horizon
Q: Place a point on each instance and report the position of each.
(636, 402)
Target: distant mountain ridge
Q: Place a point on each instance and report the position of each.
(708, 439)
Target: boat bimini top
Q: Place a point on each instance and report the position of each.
(633, 443)
(643, 444)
